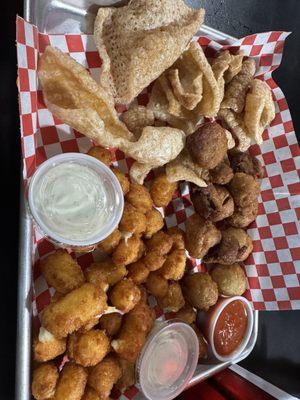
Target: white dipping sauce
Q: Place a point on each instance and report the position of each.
(71, 201)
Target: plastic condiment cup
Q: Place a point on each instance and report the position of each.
(208, 320)
(112, 189)
(168, 360)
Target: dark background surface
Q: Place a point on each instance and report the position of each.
(276, 357)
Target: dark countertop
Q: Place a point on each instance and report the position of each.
(277, 354)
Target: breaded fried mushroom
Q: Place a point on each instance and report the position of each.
(44, 380)
(104, 375)
(173, 301)
(124, 181)
(71, 383)
(245, 162)
(174, 266)
(125, 295)
(162, 190)
(157, 285)
(138, 272)
(139, 197)
(154, 223)
(231, 279)
(222, 173)
(105, 272)
(200, 290)
(244, 189)
(111, 323)
(160, 242)
(128, 251)
(49, 349)
(101, 154)
(111, 242)
(186, 314)
(132, 220)
(244, 216)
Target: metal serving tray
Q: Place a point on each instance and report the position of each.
(73, 16)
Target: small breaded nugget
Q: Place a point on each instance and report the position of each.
(162, 190)
(128, 251)
(203, 347)
(62, 272)
(186, 314)
(154, 223)
(132, 220)
(48, 350)
(104, 375)
(160, 242)
(124, 181)
(44, 380)
(71, 383)
(101, 154)
(74, 310)
(138, 272)
(157, 285)
(111, 242)
(177, 235)
(139, 197)
(89, 348)
(105, 271)
(111, 323)
(200, 290)
(128, 375)
(173, 301)
(89, 325)
(154, 260)
(125, 295)
(90, 394)
(174, 265)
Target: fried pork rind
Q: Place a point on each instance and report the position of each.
(128, 251)
(135, 328)
(231, 279)
(245, 162)
(124, 181)
(155, 223)
(111, 242)
(101, 154)
(137, 118)
(259, 110)
(74, 310)
(160, 242)
(132, 220)
(173, 301)
(222, 173)
(235, 123)
(244, 189)
(162, 190)
(200, 290)
(104, 375)
(138, 172)
(139, 197)
(203, 347)
(186, 314)
(235, 94)
(44, 380)
(89, 348)
(138, 272)
(244, 216)
(174, 266)
(62, 272)
(125, 295)
(128, 375)
(72, 95)
(71, 383)
(105, 273)
(220, 66)
(157, 285)
(138, 42)
(49, 349)
(201, 235)
(111, 323)
(178, 238)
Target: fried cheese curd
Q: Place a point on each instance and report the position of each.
(132, 220)
(154, 260)
(62, 272)
(213, 203)
(128, 251)
(203, 347)
(200, 236)
(231, 279)
(138, 272)
(160, 242)
(208, 145)
(244, 189)
(177, 236)
(89, 348)
(109, 244)
(135, 328)
(123, 180)
(44, 380)
(128, 375)
(101, 154)
(125, 295)
(200, 290)
(139, 197)
(154, 223)
(246, 163)
(104, 375)
(74, 310)
(111, 323)
(157, 285)
(186, 314)
(174, 266)
(71, 383)
(49, 349)
(173, 301)
(90, 394)
(105, 273)
(162, 190)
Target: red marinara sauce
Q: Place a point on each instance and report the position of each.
(230, 328)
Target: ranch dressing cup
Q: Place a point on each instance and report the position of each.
(75, 200)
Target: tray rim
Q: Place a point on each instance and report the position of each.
(24, 308)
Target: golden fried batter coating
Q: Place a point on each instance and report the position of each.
(213, 203)
(44, 380)
(174, 265)
(138, 272)
(201, 235)
(125, 295)
(162, 190)
(137, 324)
(154, 223)
(90, 394)
(157, 285)
(104, 375)
(101, 154)
(111, 323)
(244, 189)
(89, 348)
(71, 383)
(128, 375)
(132, 220)
(245, 162)
(128, 251)
(200, 290)
(178, 238)
(160, 242)
(173, 301)
(154, 260)
(105, 272)
(139, 197)
(186, 314)
(244, 216)
(208, 145)
(62, 272)
(203, 347)
(111, 242)
(222, 173)
(124, 181)
(74, 310)
(231, 279)
(48, 350)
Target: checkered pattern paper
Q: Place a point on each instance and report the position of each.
(273, 269)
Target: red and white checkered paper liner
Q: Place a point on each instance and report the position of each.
(273, 269)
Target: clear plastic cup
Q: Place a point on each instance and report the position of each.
(111, 187)
(168, 360)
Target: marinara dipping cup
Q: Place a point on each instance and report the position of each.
(75, 200)
(227, 327)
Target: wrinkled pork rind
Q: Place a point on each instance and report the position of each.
(138, 42)
(259, 110)
(235, 66)
(138, 172)
(235, 123)
(137, 118)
